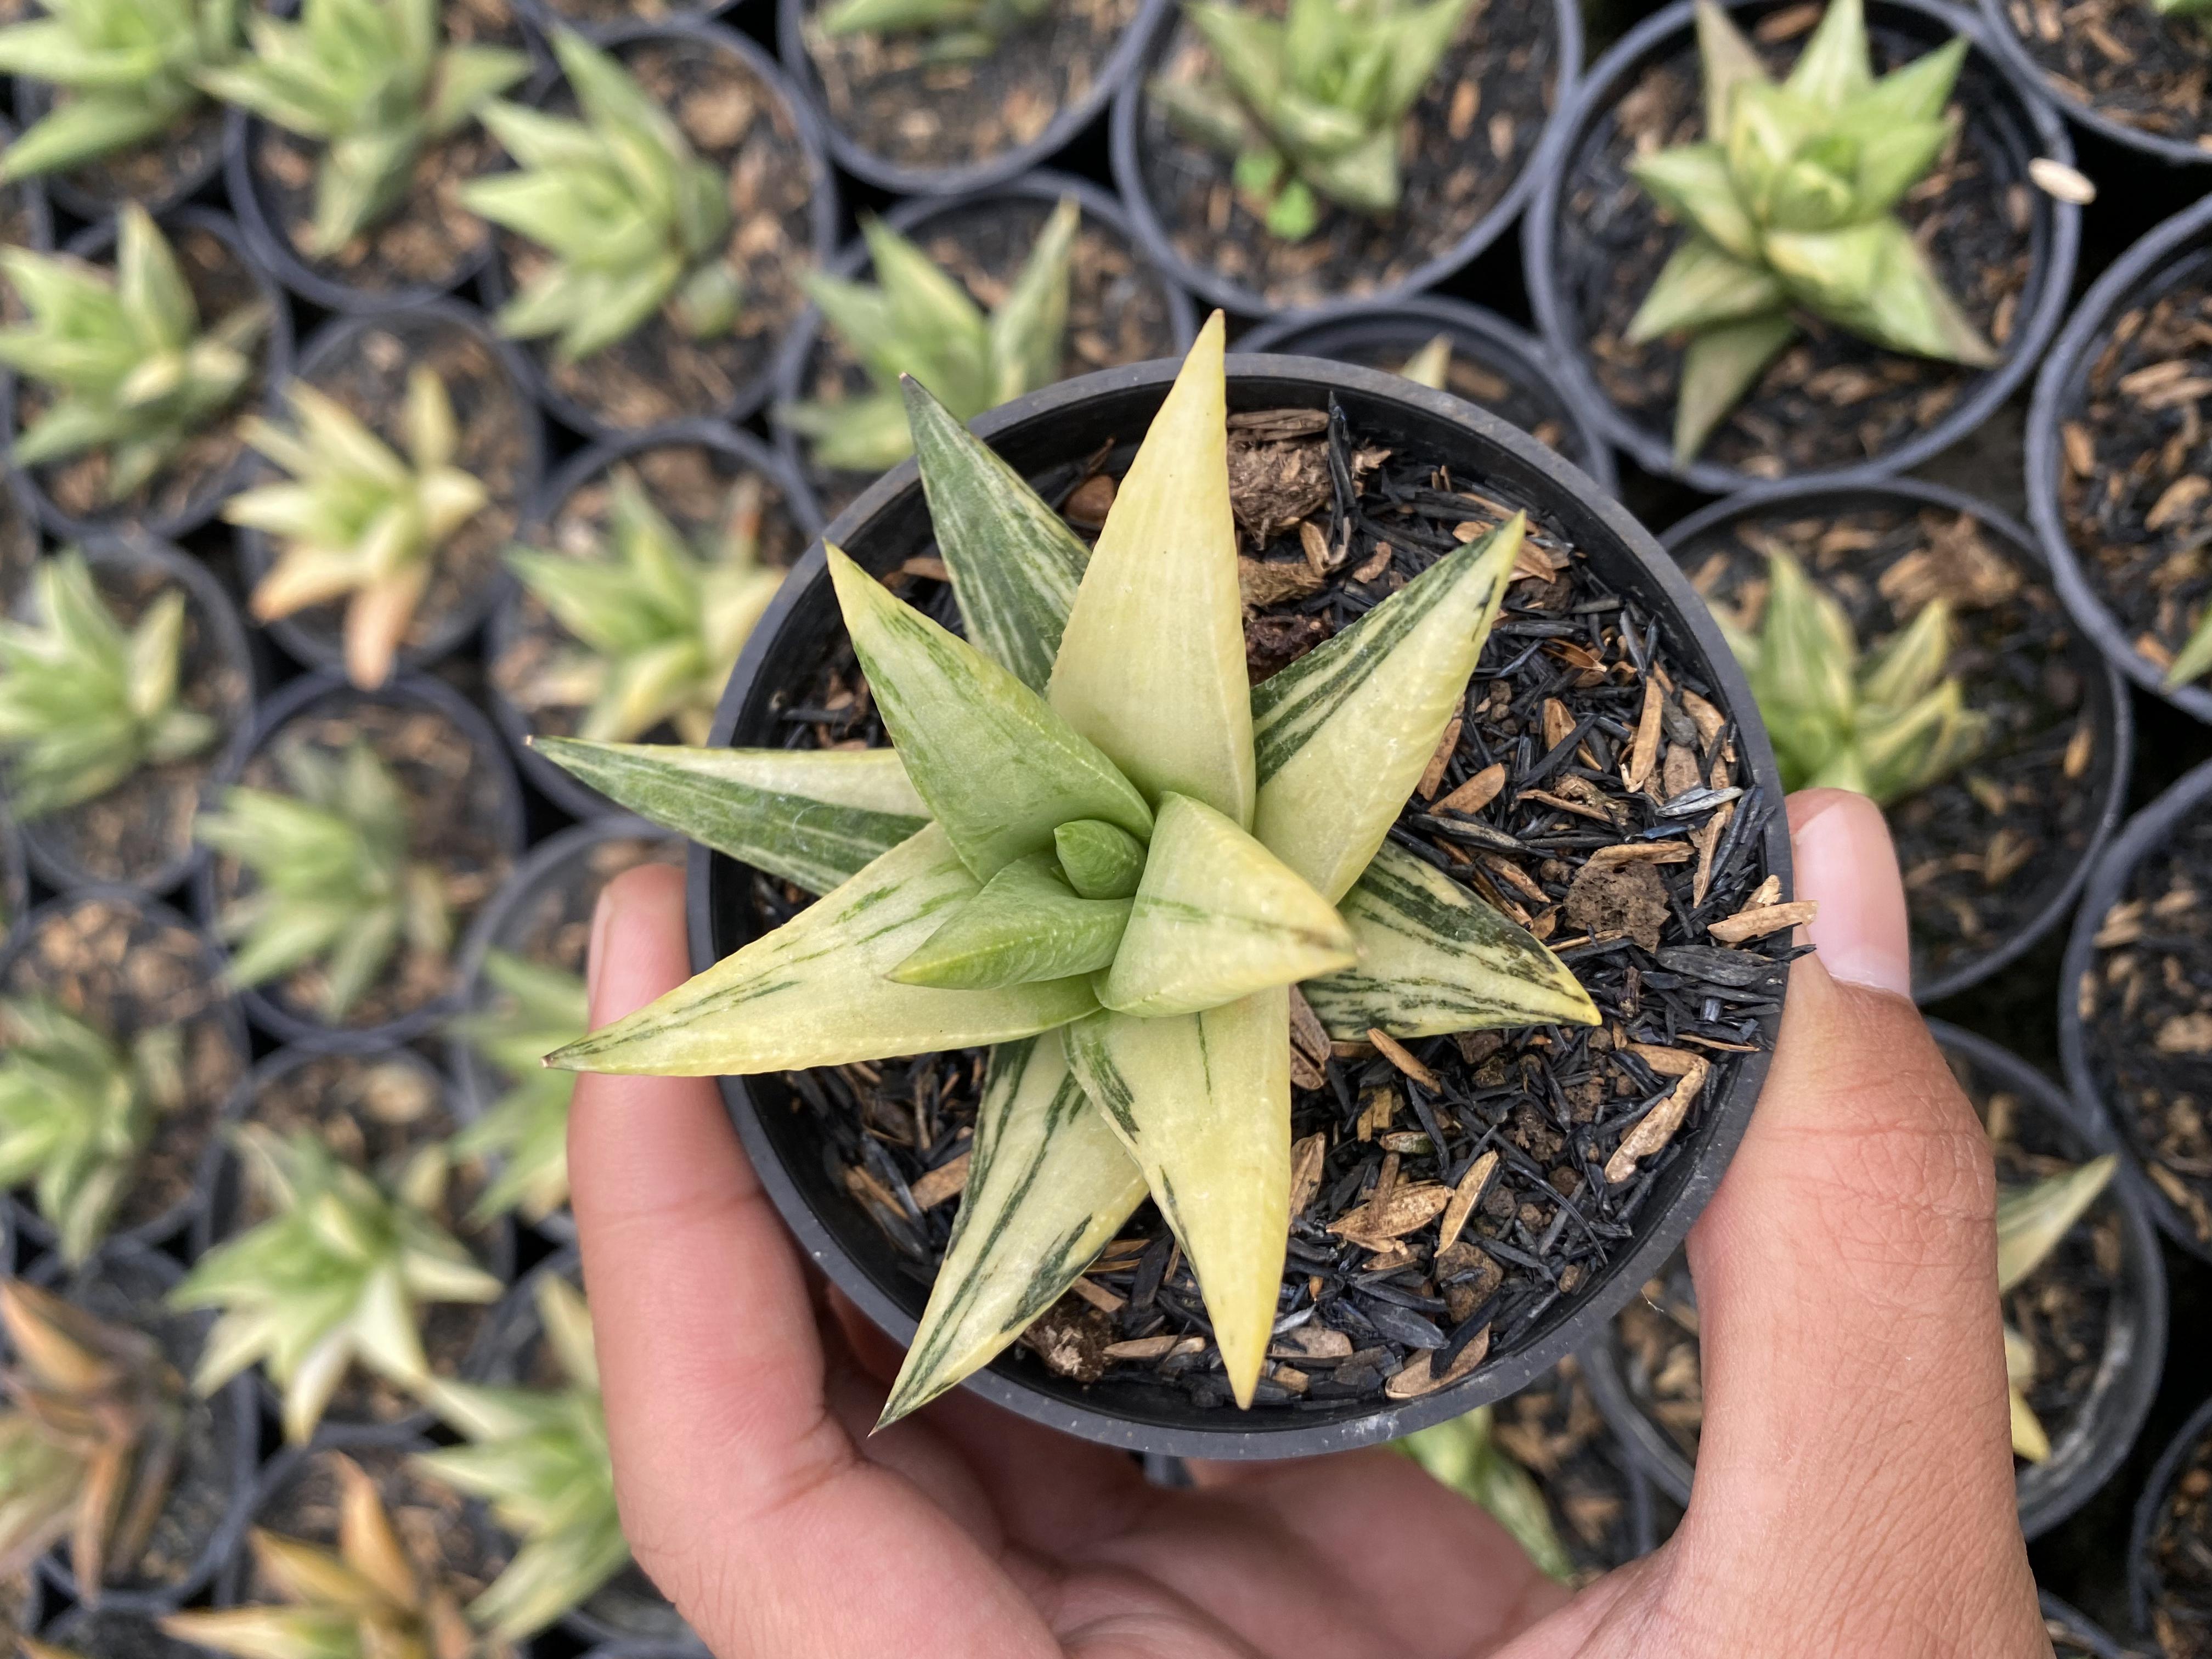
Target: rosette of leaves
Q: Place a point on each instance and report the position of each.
(957, 28)
(1887, 724)
(1311, 105)
(129, 67)
(78, 1112)
(1789, 204)
(918, 320)
(358, 521)
(338, 1273)
(84, 702)
(1465, 1456)
(633, 220)
(661, 622)
(1096, 845)
(534, 1011)
(539, 1458)
(2032, 1221)
(127, 366)
(372, 82)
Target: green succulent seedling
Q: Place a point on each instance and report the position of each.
(1311, 107)
(334, 884)
(2030, 1222)
(1464, 1455)
(128, 367)
(84, 703)
(534, 1011)
(958, 29)
(1789, 203)
(372, 81)
(1887, 725)
(634, 220)
(1097, 847)
(76, 1114)
(338, 1273)
(919, 320)
(539, 1458)
(128, 68)
(661, 622)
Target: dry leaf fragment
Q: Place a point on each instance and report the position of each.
(1708, 719)
(1477, 793)
(1432, 776)
(2186, 1034)
(1750, 924)
(1644, 753)
(948, 1180)
(1644, 851)
(1464, 1196)
(1392, 1050)
(1419, 1376)
(1315, 545)
(1310, 1341)
(1657, 1127)
(1098, 1296)
(2056, 180)
(1558, 724)
(1307, 1158)
(1405, 1210)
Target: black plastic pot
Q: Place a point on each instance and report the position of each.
(2005, 119)
(2106, 698)
(546, 18)
(34, 98)
(2006, 41)
(2145, 1585)
(1356, 330)
(267, 1007)
(119, 1635)
(94, 243)
(2061, 1621)
(1216, 289)
(746, 451)
(2178, 250)
(321, 650)
(31, 194)
(15, 882)
(914, 219)
(1051, 436)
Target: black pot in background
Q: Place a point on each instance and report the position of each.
(2145, 1584)
(2018, 126)
(34, 98)
(14, 884)
(546, 17)
(2178, 250)
(1051, 436)
(913, 219)
(1355, 330)
(749, 454)
(100, 1632)
(2063, 1621)
(31, 197)
(2104, 696)
(1159, 247)
(2005, 40)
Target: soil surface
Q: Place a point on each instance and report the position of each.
(2181, 1554)
(2124, 60)
(148, 172)
(1605, 1515)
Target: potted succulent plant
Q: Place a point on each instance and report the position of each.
(1398, 143)
(2169, 1588)
(669, 190)
(2123, 69)
(1723, 327)
(981, 298)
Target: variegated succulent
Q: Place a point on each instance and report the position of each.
(2032, 1221)
(918, 321)
(1465, 1456)
(534, 1009)
(1789, 204)
(1097, 847)
(338, 1273)
(127, 67)
(1312, 105)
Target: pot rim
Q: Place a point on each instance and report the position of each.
(2143, 1582)
(2010, 47)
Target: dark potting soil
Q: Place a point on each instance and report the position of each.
(1117, 306)
(1831, 399)
(2181, 1554)
(1552, 1429)
(1985, 851)
(1524, 804)
(19, 547)
(125, 973)
(740, 126)
(1482, 382)
(2137, 485)
(1474, 127)
(899, 102)
(691, 485)
(455, 812)
(2124, 60)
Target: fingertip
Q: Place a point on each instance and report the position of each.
(637, 949)
(1845, 862)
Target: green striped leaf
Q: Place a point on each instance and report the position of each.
(1203, 1103)
(814, 817)
(998, 768)
(1434, 959)
(1099, 860)
(1048, 1186)
(1027, 924)
(814, 992)
(1344, 733)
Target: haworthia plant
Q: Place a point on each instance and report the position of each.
(1789, 203)
(918, 321)
(129, 69)
(1464, 1453)
(533, 1010)
(957, 28)
(1090, 862)
(2031, 1222)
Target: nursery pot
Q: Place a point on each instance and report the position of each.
(1050, 437)
(2005, 123)
(2145, 1582)
(596, 19)
(33, 99)
(14, 884)
(2004, 39)
(2064, 1625)
(25, 216)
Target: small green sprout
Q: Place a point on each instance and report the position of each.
(536, 1010)
(2030, 1222)
(126, 69)
(958, 29)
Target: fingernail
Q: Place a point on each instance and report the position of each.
(595, 952)
(1846, 864)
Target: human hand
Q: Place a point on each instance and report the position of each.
(1855, 1487)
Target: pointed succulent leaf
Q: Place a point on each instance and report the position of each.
(1100, 860)
(1431, 366)
(1873, 279)
(1026, 331)
(1834, 66)
(1914, 92)
(1721, 364)
(129, 67)
(1026, 925)
(2031, 1220)
(1702, 286)
(929, 307)
(1692, 182)
(1727, 61)
(2194, 659)
(533, 1010)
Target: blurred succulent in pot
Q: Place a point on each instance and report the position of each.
(125, 69)
(918, 321)
(2194, 659)
(1888, 724)
(661, 623)
(2032, 1221)
(128, 368)
(633, 220)
(1464, 1455)
(1311, 106)
(76, 1114)
(357, 521)
(85, 703)
(89, 1440)
(1432, 365)
(333, 884)
(534, 1011)
(1789, 202)
(370, 81)
(1097, 847)
(957, 28)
